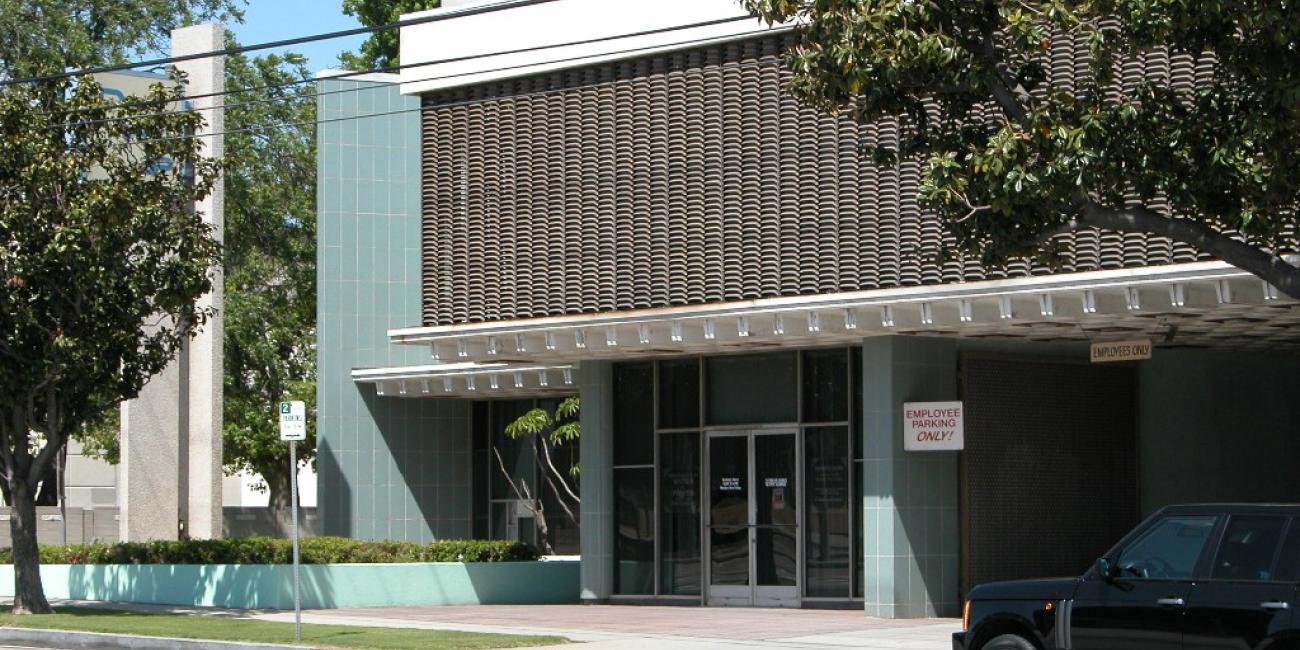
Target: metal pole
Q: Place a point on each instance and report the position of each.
(293, 494)
(62, 494)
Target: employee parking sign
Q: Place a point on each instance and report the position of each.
(933, 426)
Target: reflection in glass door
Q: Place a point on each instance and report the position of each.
(753, 540)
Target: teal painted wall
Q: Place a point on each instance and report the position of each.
(253, 586)
(388, 468)
(596, 388)
(1218, 426)
(910, 499)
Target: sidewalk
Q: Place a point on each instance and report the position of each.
(635, 627)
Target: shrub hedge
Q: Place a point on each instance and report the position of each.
(270, 550)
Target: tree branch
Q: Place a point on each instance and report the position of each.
(1273, 268)
(546, 451)
(6, 452)
(565, 506)
(1010, 95)
(1065, 228)
(53, 439)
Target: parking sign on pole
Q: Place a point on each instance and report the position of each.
(293, 427)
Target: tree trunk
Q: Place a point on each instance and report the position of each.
(48, 495)
(29, 593)
(278, 490)
(1269, 266)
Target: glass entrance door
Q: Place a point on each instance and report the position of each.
(753, 519)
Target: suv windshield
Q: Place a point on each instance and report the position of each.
(1169, 549)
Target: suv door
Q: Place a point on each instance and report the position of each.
(1248, 597)
(1142, 608)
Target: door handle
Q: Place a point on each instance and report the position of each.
(1275, 604)
(1171, 602)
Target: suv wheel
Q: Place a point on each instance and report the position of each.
(1008, 642)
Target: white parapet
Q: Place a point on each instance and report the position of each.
(466, 43)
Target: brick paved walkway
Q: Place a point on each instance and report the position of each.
(632, 627)
(749, 624)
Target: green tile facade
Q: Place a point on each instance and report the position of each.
(388, 468)
(910, 545)
(596, 387)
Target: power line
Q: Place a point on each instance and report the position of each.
(459, 13)
(265, 100)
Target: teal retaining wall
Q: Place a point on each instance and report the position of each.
(270, 586)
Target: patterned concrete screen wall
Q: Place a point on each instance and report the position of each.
(388, 468)
(250, 586)
(682, 178)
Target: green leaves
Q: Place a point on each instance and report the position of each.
(269, 550)
(1190, 107)
(47, 36)
(380, 50)
(270, 264)
(104, 261)
(561, 428)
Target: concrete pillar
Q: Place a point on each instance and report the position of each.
(171, 434)
(596, 387)
(206, 352)
(911, 541)
(147, 494)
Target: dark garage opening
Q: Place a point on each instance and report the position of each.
(1050, 469)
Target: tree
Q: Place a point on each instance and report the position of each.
(42, 36)
(543, 431)
(102, 260)
(380, 50)
(1194, 163)
(270, 262)
(39, 37)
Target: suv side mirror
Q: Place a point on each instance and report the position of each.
(1105, 569)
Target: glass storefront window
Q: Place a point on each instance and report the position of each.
(826, 531)
(855, 397)
(479, 489)
(634, 415)
(502, 512)
(517, 456)
(634, 541)
(660, 493)
(679, 393)
(562, 529)
(826, 385)
(752, 388)
(679, 502)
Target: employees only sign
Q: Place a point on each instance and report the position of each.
(1136, 350)
(933, 426)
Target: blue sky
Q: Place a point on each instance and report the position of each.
(274, 20)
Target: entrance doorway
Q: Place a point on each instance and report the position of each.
(752, 518)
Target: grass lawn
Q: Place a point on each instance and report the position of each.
(225, 628)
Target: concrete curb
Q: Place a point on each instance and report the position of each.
(97, 641)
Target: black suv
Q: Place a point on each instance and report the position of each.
(1207, 577)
